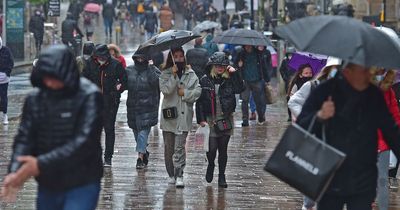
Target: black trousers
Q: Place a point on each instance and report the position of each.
(355, 202)
(111, 104)
(219, 144)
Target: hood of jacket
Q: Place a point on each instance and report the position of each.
(59, 62)
(101, 50)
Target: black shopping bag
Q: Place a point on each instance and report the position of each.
(304, 162)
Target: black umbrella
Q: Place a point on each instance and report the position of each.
(346, 38)
(172, 39)
(242, 37)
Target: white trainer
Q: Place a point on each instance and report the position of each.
(5, 119)
(179, 182)
(171, 180)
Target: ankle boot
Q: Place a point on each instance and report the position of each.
(210, 173)
(222, 181)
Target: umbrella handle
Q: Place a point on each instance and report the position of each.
(172, 56)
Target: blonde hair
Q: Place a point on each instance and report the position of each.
(388, 80)
(214, 74)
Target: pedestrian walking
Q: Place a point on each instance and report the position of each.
(166, 18)
(249, 63)
(36, 26)
(303, 75)
(115, 52)
(88, 24)
(197, 58)
(142, 103)
(224, 20)
(209, 45)
(58, 140)
(180, 87)
(123, 17)
(384, 80)
(393, 182)
(216, 105)
(6, 66)
(297, 100)
(87, 50)
(287, 74)
(109, 75)
(68, 29)
(150, 23)
(108, 18)
(140, 10)
(351, 110)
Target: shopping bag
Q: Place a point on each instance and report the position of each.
(269, 94)
(392, 160)
(305, 162)
(202, 136)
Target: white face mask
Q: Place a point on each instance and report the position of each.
(332, 73)
(379, 78)
(101, 62)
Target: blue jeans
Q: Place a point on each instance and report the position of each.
(108, 22)
(79, 198)
(141, 137)
(4, 97)
(252, 103)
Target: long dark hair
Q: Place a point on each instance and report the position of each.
(296, 77)
(170, 62)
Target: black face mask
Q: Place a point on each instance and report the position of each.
(304, 79)
(141, 64)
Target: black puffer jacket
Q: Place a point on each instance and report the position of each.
(36, 26)
(6, 60)
(143, 96)
(228, 88)
(61, 128)
(67, 28)
(107, 76)
(197, 58)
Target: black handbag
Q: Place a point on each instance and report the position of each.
(223, 125)
(170, 113)
(305, 162)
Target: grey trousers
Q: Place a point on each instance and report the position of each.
(383, 179)
(174, 153)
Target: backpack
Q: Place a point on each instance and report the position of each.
(140, 8)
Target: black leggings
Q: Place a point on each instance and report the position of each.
(220, 144)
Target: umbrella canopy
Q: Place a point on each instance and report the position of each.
(204, 26)
(317, 62)
(171, 39)
(342, 37)
(242, 37)
(92, 7)
(390, 32)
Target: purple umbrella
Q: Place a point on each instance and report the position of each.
(317, 62)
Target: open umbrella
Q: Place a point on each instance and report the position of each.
(242, 37)
(92, 7)
(204, 26)
(172, 39)
(317, 62)
(343, 37)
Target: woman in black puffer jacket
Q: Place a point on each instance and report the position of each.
(216, 106)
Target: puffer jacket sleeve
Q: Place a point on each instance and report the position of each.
(154, 76)
(24, 139)
(298, 99)
(238, 84)
(192, 92)
(168, 83)
(89, 124)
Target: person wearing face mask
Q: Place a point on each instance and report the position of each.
(287, 74)
(217, 102)
(180, 87)
(109, 75)
(298, 99)
(142, 103)
(384, 80)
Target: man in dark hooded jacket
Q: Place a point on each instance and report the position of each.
(197, 58)
(36, 26)
(352, 110)
(109, 75)
(142, 103)
(58, 140)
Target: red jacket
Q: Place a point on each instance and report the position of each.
(391, 102)
(122, 60)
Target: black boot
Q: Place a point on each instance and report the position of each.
(210, 173)
(146, 158)
(222, 181)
